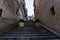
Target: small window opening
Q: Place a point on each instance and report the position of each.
(52, 10)
(0, 12)
(17, 11)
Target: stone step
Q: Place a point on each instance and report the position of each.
(26, 36)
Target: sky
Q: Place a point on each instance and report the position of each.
(29, 6)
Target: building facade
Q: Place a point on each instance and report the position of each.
(48, 11)
(8, 14)
(8, 8)
(22, 10)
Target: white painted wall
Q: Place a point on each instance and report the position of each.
(20, 13)
(20, 16)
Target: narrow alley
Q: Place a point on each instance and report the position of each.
(29, 19)
(29, 32)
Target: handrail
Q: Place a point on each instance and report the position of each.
(50, 30)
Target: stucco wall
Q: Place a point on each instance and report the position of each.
(36, 5)
(45, 14)
(8, 9)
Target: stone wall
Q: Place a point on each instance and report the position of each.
(9, 16)
(45, 14)
(8, 8)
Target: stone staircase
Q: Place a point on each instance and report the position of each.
(6, 25)
(29, 33)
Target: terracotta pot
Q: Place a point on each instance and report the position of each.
(37, 24)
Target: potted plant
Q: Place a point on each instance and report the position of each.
(37, 23)
(21, 23)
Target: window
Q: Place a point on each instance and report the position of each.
(52, 10)
(0, 12)
(17, 11)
